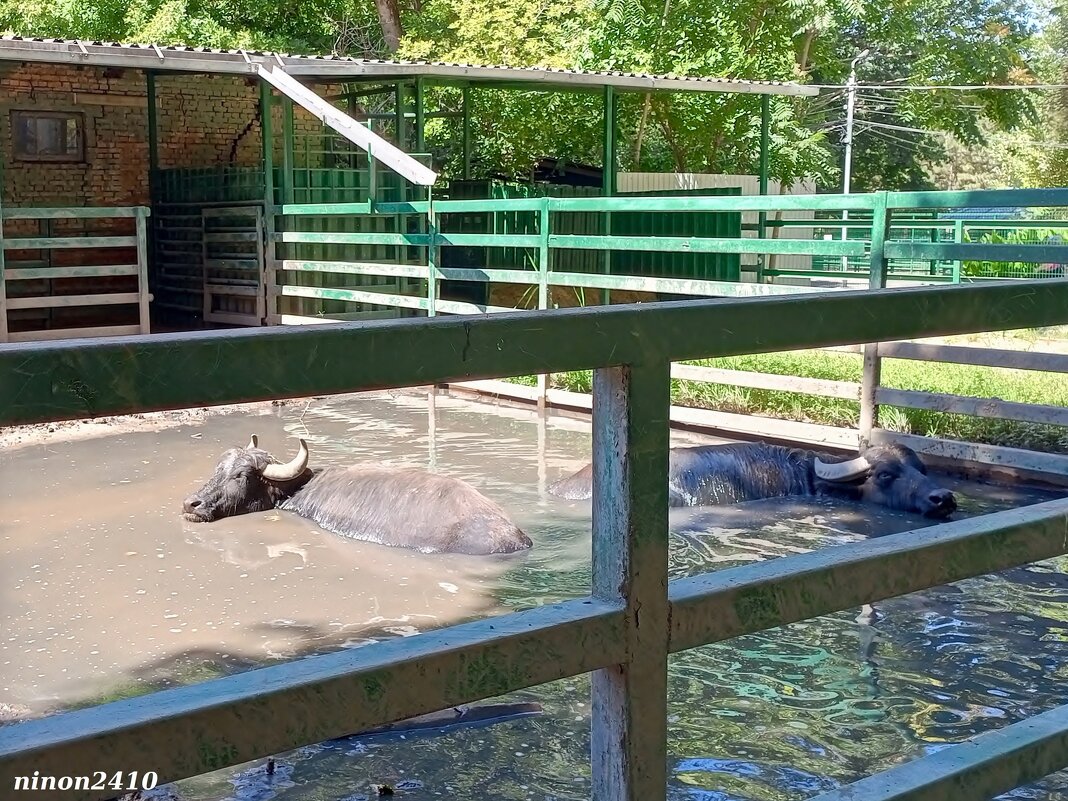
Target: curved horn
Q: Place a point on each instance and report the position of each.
(841, 471)
(254, 442)
(291, 469)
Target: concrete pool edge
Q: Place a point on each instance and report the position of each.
(749, 428)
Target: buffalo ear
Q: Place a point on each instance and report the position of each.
(254, 442)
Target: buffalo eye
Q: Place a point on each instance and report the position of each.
(884, 477)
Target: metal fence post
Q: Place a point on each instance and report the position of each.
(869, 385)
(765, 170)
(543, 287)
(630, 530)
(432, 257)
(3, 286)
(272, 291)
(144, 312)
(958, 238)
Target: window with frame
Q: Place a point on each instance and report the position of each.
(48, 135)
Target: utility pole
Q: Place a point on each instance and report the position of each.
(851, 99)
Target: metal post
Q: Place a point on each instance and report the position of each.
(543, 287)
(153, 178)
(467, 132)
(420, 116)
(270, 222)
(608, 175)
(3, 286)
(765, 168)
(153, 135)
(847, 168)
(144, 312)
(288, 150)
(432, 259)
(398, 113)
(401, 130)
(958, 238)
(872, 375)
(372, 174)
(630, 533)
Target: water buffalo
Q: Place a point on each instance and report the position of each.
(406, 508)
(710, 475)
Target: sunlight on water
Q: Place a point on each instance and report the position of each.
(105, 591)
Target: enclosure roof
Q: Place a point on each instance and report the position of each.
(340, 68)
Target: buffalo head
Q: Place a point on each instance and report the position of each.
(247, 480)
(886, 475)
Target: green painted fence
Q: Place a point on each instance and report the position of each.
(696, 266)
(191, 730)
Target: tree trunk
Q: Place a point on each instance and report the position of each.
(806, 47)
(646, 107)
(669, 135)
(389, 19)
(648, 102)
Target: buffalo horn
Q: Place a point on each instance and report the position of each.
(842, 471)
(254, 442)
(291, 469)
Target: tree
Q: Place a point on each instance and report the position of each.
(935, 42)
(1052, 134)
(913, 42)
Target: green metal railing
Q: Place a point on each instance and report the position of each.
(541, 238)
(930, 228)
(634, 616)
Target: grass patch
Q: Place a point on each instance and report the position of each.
(981, 382)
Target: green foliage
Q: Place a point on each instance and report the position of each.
(318, 26)
(911, 41)
(1009, 269)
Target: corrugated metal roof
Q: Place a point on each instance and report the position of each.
(204, 59)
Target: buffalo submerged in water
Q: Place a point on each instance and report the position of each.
(714, 475)
(406, 508)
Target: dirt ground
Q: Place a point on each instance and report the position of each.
(42, 433)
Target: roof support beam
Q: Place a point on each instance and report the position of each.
(384, 151)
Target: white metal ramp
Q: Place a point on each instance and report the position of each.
(375, 146)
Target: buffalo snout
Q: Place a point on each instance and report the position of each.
(192, 507)
(940, 503)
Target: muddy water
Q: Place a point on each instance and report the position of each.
(105, 591)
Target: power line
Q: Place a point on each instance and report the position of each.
(902, 128)
(959, 88)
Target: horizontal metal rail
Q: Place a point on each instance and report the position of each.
(68, 242)
(976, 251)
(191, 730)
(982, 767)
(682, 244)
(981, 357)
(846, 390)
(729, 603)
(88, 213)
(43, 382)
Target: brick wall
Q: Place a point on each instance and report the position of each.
(202, 121)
